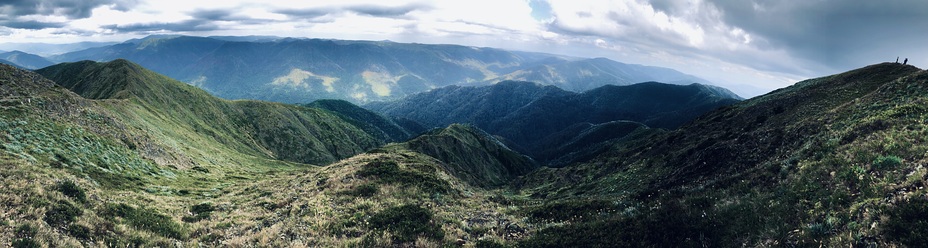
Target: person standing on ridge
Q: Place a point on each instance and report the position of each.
(897, 59)
(906, 61)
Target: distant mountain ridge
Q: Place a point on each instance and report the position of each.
(528, 116)
(806, 165)
(25, 60)
(302, 70)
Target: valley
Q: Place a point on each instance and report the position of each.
(114, 154)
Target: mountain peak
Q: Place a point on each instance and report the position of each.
(97, 80)
(473, 155)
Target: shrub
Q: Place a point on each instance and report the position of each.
(886, 162)
(147, 219)
(25, 243)
(200, 211)
(62, 214)
(908, 223)
(406, 223)
(363, 190)
(72, 190)
(25, 231)
(79, 231)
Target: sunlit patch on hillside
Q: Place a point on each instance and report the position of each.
(380, 82)
(298, 79)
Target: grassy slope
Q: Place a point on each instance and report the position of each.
(119, 172)
(155, 102)
(832, 161)
(472, 155)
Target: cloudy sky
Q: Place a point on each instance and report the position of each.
(751, 46)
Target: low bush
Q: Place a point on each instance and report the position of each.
(71, 189)
(363, 190)
(200, 212)
(147, 219)
(908, 223)
(61, 214)
(407, 223)
(886, 162)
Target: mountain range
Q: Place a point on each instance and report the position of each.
(303, 70)
(540, 120)
(24, 60)
(114, 154)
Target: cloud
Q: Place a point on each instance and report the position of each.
(308, 13)
(387, 11)
(31, 25)
(183, 26)
(72, 9)
(361, 9)
(833, 32)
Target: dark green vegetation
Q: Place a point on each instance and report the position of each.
(302, 70)
(832, 161)
(555, 126)
(407, 222)
(372, 123)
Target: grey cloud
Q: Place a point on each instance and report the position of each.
(72, 9)
(225, 15)
(184, 26)
(370, 10)
(33, 25)
(833, 32)
(387, 11)
(305, 13)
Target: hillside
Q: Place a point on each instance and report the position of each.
(529, 116)
(80, 172)
(153, 101)
(372, 123)
(832, 161)
(472, 155)
(25, 60)
(302, 70)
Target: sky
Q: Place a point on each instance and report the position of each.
(749, 46)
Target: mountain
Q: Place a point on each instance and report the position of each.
(286, 132)
(154, 162)
(25, 60)
(302, 70)
(2, 61)
(529, 115)
(472, 155)
(49, 49)
(150, 161)
(372, 123)
(831, 161)
(586, 74)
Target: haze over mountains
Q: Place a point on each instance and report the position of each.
(303, 70)
(113, 154)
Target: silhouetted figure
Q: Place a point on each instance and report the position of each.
(897, 59)
(906, 61)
